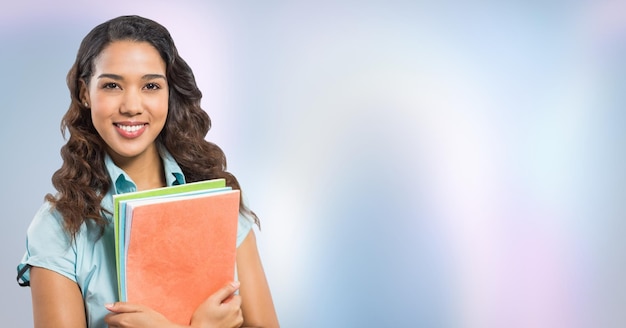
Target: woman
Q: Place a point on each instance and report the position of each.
(134, 123)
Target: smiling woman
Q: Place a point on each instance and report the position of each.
(135, 123)
(128, 95)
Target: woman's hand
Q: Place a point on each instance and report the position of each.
(129, 315)
(222, 309)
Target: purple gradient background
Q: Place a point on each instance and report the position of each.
(413, 164)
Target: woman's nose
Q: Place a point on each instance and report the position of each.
(132, 104)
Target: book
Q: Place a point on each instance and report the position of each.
(176, 248)
(119, 211)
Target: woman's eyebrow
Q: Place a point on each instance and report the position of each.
(153, 76)
(111, 76)
(121, 78)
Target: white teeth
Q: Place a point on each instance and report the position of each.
(130, 128)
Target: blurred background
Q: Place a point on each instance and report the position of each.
(414, 164)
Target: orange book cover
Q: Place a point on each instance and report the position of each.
(181, 250)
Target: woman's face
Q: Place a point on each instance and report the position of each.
(128, 99)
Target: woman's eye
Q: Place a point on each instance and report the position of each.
(110, 85)
(152, 86)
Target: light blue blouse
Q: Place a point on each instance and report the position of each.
(90, 260)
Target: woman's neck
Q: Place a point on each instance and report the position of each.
(149, 177)
(146, 170)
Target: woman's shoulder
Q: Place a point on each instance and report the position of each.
(47, 223)
(47, 215)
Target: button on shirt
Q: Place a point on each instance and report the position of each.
(90, 260)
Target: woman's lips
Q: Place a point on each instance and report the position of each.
(130, 130)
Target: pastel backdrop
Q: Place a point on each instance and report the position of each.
(457, 164)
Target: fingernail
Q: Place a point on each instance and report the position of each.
(108, 305)
(235, 284)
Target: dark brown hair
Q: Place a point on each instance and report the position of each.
(82, 181)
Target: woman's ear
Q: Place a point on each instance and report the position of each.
(84, 94)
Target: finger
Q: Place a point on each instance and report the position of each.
(225, 292)
(111, 319)
(239, 320)
(233, 300)
(123, 307)
(115, 319)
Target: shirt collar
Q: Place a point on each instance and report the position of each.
(122, 183)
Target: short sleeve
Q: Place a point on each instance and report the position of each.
(243, 228)
(48, 246)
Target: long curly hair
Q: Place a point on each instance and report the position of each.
(82, 181)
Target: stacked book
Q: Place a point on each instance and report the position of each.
(175, 246)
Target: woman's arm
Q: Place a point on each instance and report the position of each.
(57, 301)
(256, 299)
(220, 310)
